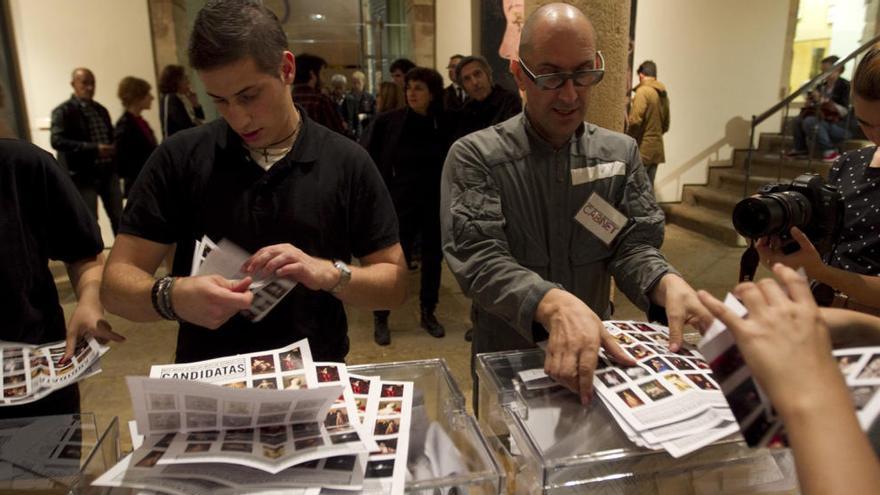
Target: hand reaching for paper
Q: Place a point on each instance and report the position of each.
(683, 307)
(88, 320)
(288, 261)
(210, 300)
(576, 333)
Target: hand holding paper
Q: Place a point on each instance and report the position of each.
(682, 307)
(209, 301)
(286, 260)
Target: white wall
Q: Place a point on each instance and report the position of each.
(111, 37)
(722, 62)
(848, 18)
(453, 32)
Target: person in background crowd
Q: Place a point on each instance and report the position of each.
(179, 107)
(83, 136)
(853, 266)
(345, 103)
(513, 235)
(365, 102)
(302, 198)
(133, 137)
(398, 70)
(488, 103)
(390, 98)
(307, 93)
(409, 146)
(824, 116)
(454, 95)
(786, 331)
(649, 118)
(42, 217)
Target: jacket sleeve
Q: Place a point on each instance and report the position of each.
(637, 263)
(475, 244)
(637, 114)
(60, 135)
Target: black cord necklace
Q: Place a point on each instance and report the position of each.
(265, 150)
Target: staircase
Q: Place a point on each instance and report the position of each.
(707, 209)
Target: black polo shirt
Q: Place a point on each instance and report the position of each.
(42, 217)
(325, 197)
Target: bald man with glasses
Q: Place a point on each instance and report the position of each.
(540, 211)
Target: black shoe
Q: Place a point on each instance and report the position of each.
(430, 323)
(381, 333)
(469, 335)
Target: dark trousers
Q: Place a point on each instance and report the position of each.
(106, 186)
(424, 220)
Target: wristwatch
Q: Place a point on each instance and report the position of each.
(344, 276)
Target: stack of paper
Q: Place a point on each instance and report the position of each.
(277, 420)
(226, 259)
(668, 400)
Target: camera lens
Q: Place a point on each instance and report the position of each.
(771, 214)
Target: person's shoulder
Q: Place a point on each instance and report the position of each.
(497, 143)
(208, 134)
(334, 148)
(854, 158)
(65, 106)
(611, 145)
(124, 120)
(24, 157)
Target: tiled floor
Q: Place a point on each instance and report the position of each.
(705, 263)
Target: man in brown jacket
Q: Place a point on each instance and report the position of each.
(649, 118)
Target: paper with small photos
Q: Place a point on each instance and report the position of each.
(225, 259)
(755, 415)
(31, 372)
(666, 401)
(389, 413)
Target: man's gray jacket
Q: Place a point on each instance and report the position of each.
(508, 211)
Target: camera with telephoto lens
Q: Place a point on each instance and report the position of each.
(808, 203)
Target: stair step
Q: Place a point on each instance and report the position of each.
(720, 200)
(707, 222)
(732, 180)
(773, 142)
(771, 164)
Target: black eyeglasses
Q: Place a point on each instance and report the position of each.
(583, 78)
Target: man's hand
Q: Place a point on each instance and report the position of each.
(106, 150)
(576, 333)
(209, 301)
(286, 260)
(784, 331)
(770, 250)
(88, 319)
(682, 307)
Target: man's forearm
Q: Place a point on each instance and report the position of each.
(85, 278)
(126, 291)
(374, 287)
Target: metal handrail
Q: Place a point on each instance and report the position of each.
(785, 102)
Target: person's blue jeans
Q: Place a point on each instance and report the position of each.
(827, 133)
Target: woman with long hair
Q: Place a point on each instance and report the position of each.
(409, 146)
(179, 107)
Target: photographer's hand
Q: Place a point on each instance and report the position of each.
(770, 250)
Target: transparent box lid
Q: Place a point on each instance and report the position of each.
(441, 426)
(55, 454)
(556, 445)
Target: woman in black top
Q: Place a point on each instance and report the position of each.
(179, 107)
(409, 146)
(854, 265)
(134, 138)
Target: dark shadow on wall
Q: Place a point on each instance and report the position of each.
(736, 136)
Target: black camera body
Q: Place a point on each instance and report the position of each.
(808, 203)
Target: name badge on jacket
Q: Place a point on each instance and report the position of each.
(601, 218)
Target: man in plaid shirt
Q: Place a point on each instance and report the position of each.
(307, 94)
(83, 135)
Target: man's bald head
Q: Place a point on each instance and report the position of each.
(552, 20)
(83, 82)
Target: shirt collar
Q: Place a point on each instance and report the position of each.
(305, 148)
(535, 137)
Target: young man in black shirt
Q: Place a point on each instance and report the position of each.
(42, 217)
(302, 198)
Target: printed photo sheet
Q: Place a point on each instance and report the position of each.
(343, 416)
(142, 470)
(667, 400)
(287, 368)
(389, 412)
(225, 259)
(33, 372)
(861, 370)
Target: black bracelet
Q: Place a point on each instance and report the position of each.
(169, 306)
(159, 295)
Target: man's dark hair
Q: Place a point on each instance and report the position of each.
(306, 64)
(471, 59)
(434, 81)
(457, 55)
(170, 79)
(648, 68)
(830, 59)
(402, 64)
(226, 31)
